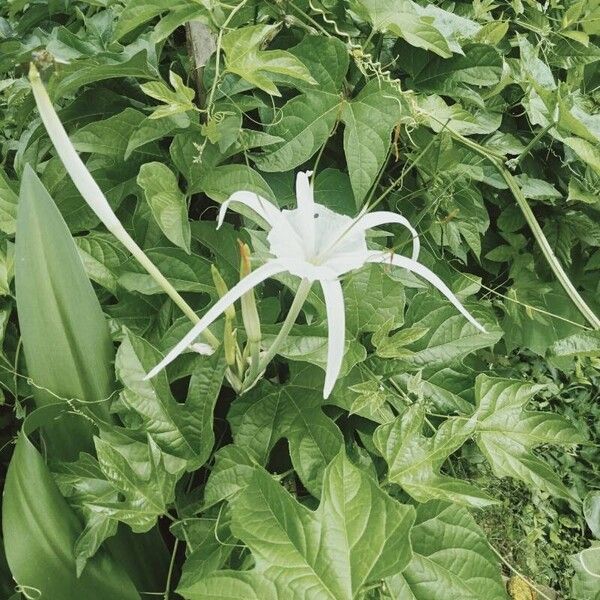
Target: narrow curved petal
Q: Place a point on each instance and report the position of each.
(336, 322)
(75, 167)
(246, 284)
(383, 217)
(306, 206)
(425, 273)
(266, 210)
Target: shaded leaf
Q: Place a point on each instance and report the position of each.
(244, 57)
(414, 460)
(167, 202)
(452, 559)
(506, 432)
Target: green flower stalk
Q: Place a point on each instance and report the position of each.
(96, 200)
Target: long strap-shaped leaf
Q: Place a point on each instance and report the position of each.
(69, 355)
(40, 530)
(65, 336)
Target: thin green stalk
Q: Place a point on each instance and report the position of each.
(286, 327)
(217, 75)
(167, 593)
(513, 163)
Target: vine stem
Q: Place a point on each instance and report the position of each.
(217, 75)
(538, 234)
(286, 327)
(167, 593)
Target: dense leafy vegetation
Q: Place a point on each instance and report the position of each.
(446, 457)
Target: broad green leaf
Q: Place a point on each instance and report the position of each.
(537, 189)
(372, 299)
(143, 496)
(244, 57)
(174, 101)
(167, 202)
(450, 336)
(40, 532)
(138, 12)
(586, 151)
(357, 527)
(108, 137)
(8, 205)
(506, 432)
(83, 480)
(587, 573)
(480, 65)
(143, 555)
(414, 461)
(181, 430)
(449, 389)
(223, 246)
(102, 255)
(453, 26)
(439, 116)
(308, 343)
(210, 544)
(524, 326)
(136, 60)
(467, 220)
(369, 120)
(66, 341)
(591, 512)
(333, 189)
(403, 18)
(586, 343)
(7, 266)
(151, 129)
(451, 561)
(220, 182)
(268, 413)
(231, 473)
(187, 273)
(306, 121)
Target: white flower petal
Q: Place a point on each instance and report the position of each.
(78, 172)
(306, 270)
(383, 217)
(202, 348)
(336, 322)
(266, 210)
(306, 208)
(246, 284)
(425, 273)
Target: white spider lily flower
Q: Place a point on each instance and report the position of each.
(317, 244)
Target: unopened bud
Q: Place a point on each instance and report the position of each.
(229, 342)
(249, 310)
(222, 289)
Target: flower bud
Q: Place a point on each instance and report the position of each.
(222, 289)
(229, 342)
(249, 310)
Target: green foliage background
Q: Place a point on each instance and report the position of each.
(445, 456)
